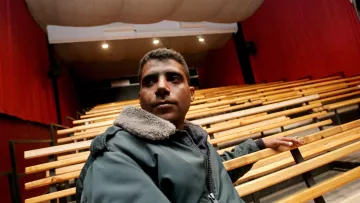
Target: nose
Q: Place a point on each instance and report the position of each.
(162, 87)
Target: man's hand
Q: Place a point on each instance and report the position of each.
(282, 141)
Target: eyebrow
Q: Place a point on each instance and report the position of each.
(157, 73)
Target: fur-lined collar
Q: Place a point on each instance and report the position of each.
(146, 125)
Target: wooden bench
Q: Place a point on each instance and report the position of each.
(248, 159)
(264, 96)
(189, 116)
(253, 118)
(103, 125)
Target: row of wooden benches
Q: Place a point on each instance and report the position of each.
(237, 95)
(267, 161)
(236, 113)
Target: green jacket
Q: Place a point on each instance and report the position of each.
(143, 158)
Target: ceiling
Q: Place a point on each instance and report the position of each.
(91, 62)
(101, 12)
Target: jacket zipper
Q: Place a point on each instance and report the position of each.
(209, 183)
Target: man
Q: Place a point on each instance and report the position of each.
(153, 155)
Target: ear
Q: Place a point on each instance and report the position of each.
(192, 93)
(139, 98)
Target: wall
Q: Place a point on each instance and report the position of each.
(221, 68)
(26, 93)
(69, 100)
(16, 129)
(25, 90)
(295, 39)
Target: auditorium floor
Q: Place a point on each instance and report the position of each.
(349, 193)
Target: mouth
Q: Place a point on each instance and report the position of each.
(164, 104)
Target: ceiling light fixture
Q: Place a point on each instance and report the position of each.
(156, 41)
(105, 45)
(201, 39)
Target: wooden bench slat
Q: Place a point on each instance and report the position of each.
(222, 102)
(328, 88)
(289, 132)
(281, 95)
(55, 164)
(51, 180)
(282, 160)
(51, 196)
(207, 109)
(68, 169)
(327, 83)
(56, 149)
(256, 156)
(323, 187)
(254, 110)
(231, 108)
(103, 128)
(232, 121)
(108, 117)
(207, 100)
(341, 104)
(308, 82)
(84, 127)
(281, 99)
(78, 137)
(265, 117)
(115, 103)
(279, 176)
(235, 135)
(69, 156)
(251, 126)
(336, 97)
(337, 92)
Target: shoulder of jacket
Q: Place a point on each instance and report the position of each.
(114, 137)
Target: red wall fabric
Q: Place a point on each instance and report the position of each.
(295, 39)
(25, 90)
(69, 102)
(221, 68)
(17, 129)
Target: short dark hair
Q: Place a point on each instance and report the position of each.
(164, 54)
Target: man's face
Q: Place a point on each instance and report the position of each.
(164, 90)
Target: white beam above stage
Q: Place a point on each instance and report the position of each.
(120, 31)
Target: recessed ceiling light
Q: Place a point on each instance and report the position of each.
(156, 41)
(105, 45)
(201, 39)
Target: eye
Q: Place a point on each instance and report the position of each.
(148, 81)
(174, 77)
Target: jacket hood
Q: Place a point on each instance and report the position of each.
(146, 125)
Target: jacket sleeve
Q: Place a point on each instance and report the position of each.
(116, 177)
(247, 147)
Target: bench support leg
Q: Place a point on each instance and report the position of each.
(255, 197)
(11, 187)
(344, 165)
(15, 178)
(308, 178)
(337, 116)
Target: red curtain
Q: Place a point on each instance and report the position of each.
(69, 102)
(295, 39)
(221, 68)
(25, 90)
(17, 129)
